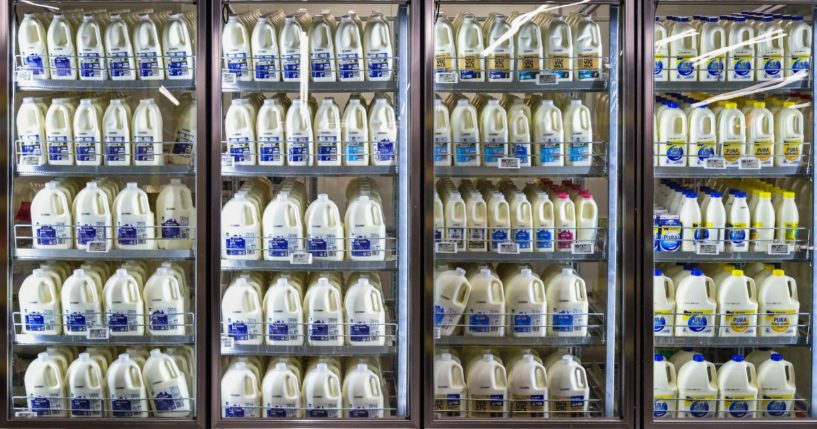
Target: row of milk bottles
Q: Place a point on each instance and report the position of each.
(569, 47)
(518, 383)
(86, 133)
(745, 46)
(760, 385)
(535, 131)
(687, 133)
(542, 217)
(279, 131)
(510, 300)
(732, 303)
(129, 300)
(727, 215)
(289, 387)
(288, 224)
(97, 383)
(336, 50)
(117, 46)
(320, 307)
(65, 216)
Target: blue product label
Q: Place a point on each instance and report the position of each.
(544, 239)
(479, 322)
(349, 66)
(497, 400)
(670, 230)
(317, 413)
(699, 408)
(159, 321)
(128, 235)
(298, 150)
(239, 148)
(171, 229)
(122, 408)
(563, 321)
(465, 152)
(354, 149)
(144, 148)
(320, 65)
(81, 407)
(41, 406)
(439, 315)
(522, 238)
(235, 246)
(498, 235)
(743, 67)
(705, 152)
(291, 65)
(736, 235)
(493, 151)
(772, 66)
(276, 412)
(660, 408)
(675, 152)
(522, 322)
(549, 152)
(685, 67)
(358, 413)
(738, 409)
(537, 401)
(76, 322)
(438, 234)
(47, 235)
(118, 322)
(318, 247)
(238, 330)
(264, 66)
(319, 331)
(800, 64)
(86, 234)
(659, 68)
(659, 323)
(714, 68)
(384, 151)
(775, 408)
(378, 64)
(35, 64)
(360, 333)
(168, 401)
(521, 151)
(233, 412)
(237, 64)
(269, 149)
(148, 64)
(579, 152)
(118, 63)
(62, 64)
(115, 148)
(278, 246)
(86, 149)
(361, 246)
(177, 63)
(57, 148)
(327, 148)
(89, 65)
(34, 321)
(696, 322)
(279, 331)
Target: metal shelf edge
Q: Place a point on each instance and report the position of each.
(519, 341)
(263, 265)
(294, 171)
(265, 350)
(78, 170)
(800, 255)
(115, 254)
(593, 171)
(800, 85)
(700, 172)
(599, 85)
(527, 257)
(105, 85)
(365, 86)
(728, 342)
(70, 340)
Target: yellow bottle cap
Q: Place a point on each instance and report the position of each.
(737, 272)
(789, 104)
(730, 105)
(787, 194)
(778, 273)
(759, 104)
(764, 194)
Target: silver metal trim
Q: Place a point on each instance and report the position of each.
(365, 86)
(704, 173)
(591, 171)
(113, 255)
(106, 85)
(104, 170)
(265, 350)
(306, 171)
(572, 86)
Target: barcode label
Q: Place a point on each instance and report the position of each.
(714, 164)
(227, 78)
(582, 248)
(447, 77)
(438, 333)
(706, 248)
(97, 333)
(445, 247)
(29, 160)
(300, 258)
(781, 249)
(547, 79)
(227, 342)
(749, 164)
(25, 414)
(22, 76)
(98, 247)
(508, 248)
(226, 160)
(511, 163)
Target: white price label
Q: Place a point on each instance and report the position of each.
(438, 333)
(98, 247)
(749, 164)
(445, 247)
(227, 342)
(226, 160)
(706, 248)
(714, 164)
(25, 414)
(300, 258)
(509, 163)
(582, 248)
(228, 78)
(29, 160)
(24, 75)
(508, 248)
(779, 249)
(547, 79)
(447, 77)
(97, 333)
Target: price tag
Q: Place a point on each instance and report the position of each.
(547, 79)
(447, 77)
(24, 75)
(97, 333)
(227, 342)
(749, 164)
(29, 160)
(438, 333)
(98, 247)
(706, 248)
(779, 249)
(228, 78)
(445, 247)
(509, 163)
(582, 248)
(300, 258)
(508, 248)
(25, 414)
(226, 160)
(714, 164)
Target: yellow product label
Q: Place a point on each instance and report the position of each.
(675, 150)
(738, 406)
(790, 230)
(699, 405)
(449, 405)
(732, 150)
(528, 405)
(698, 321)
(762, 150)
(739, 322)
(792, 149)
(499, 64)
(493, 405)
(779, 321)
(559, 64)
(470, 66)
(588, 65)
(442, 62)
(755, 232)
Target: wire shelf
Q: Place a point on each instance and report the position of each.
(96, 329)
(276, 350)
(316, 265)
(307, 171)
(61, 407)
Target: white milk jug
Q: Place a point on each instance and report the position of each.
(565, 220)
(86, 387)
(737, 305)
(90, 52)
(760, 134)
(290, 45)
(494, 129)
(477, 221)
(543, 220)
(568, 388)
(362, 393)
(88, 134)
(81, 304)
(118, 48)
(266, 59)
(519, 134)
(366, 229)
(529, 51)
(175, 216)
(787, 220)
(299, 147)
(378, 50)
(32, 45)
(51, 219)
(445, 50)
(147, 134)
(281, 392)
(283, 314)
(236, 46)
(528, 387)
(45, 387)
(133, 220)
(40, 304)
(324, 229)
(322, 393)
(521, 221)
(697, 388)
(240, 229)
(126, 388)
(239, 127)
(166, 386)
(663, 304)
(682, 49)
(61, 52)
(737, 384)
(383, 132)
(738, 222)
(695, 305)
(672, 136)
(763, 222)
(465, 135)
(240, 392)
(587, 217)
(241, 313)
(778, 305)
(568, 306)
(449, 386)
(548, 135)
(788, 132)
(327, 132)
(148, 50)
(124, 308)
(116, 133)
(578, 134)
(797, 46)
(486, 305)
(588, 46)
(59, 133)
(31, 145)
(487, 384)
(526, 305)
(164, 304)
(702, 129)
(321, 51)
(324, 314)
(732, 134)
(470, 45)
(769, 53)
(269, 130)
(177, 47)
(776, 387)
(365, 314)
(93, 218)
(741, 59)
(282, 227)
(355, 133)
(665, 388)
(712, 37)
(452, 292)
(559, 48)
(500, 66)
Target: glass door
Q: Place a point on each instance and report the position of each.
(732, 189)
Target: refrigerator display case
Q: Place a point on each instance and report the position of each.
(103, 296)
(314, 250)
(729, 188)
(523, 259)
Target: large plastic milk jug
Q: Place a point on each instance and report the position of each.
(500, 61)
(445, 50)
(487, 383)
(240, 392)
(119, 50)
(672, 136)
(567, 304)
(324, 314)
(702, 134)
(177, 47)
(661, 64)
(45, 387)
(116, 133)
(738, 390)
(349, 48)
(568, 388)
(486, 305)
(281, 392)
(778, 305)
(240, 229)
(175, 216)
(81, 304)
(587, 217)
(148, 50)
(528, 387)
(465, 135)
(559, 51)
(365, 229)
(290, 46)
(124, 308)
(741, 58)
(665, 388)
(519, 134)
(760, 134)
(147, 134)
(788, 132)
(697, 388)
(321, 51)
(548, 135)
(477, 219)
(578, 134)
(164, 304)
(470, 45)
(282, 227)
(88, 134)
(126, 388)
(92, 217)
(133, 220)
(776, 387)
(355, 134)
(695, 305)
(797, 46)
(322, 393)
(494, 129)
(40, 304)
(324, 229)
(239, 127)
(732, 134)
(737, 305)
(236, 46)
(283, 314)
(299, 145)
(663, 304)
(529, 51)
(32, 45)
(31, 133)
(328, 145)
(86, 385)
(449, 386)
(90, 51)
(565, 220)
(769, 53)
(269, 130)
(241, 313)
(61, 51)
(266, 59)
(588, 49)
(682, 49)
(439, 218)
(166, 386)
(452, 292)
(59, 133)
(712, 38)
(378, 50)
(526, 303)
(383, 132)
(362, 393)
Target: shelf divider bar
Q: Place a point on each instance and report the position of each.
(402, 197)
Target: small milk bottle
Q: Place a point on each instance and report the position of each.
(349, 48)
(123, 304)
(526, 305)
(797, 46)
(578, 134)
(355, 133)
(269, 130)
(663, 304)
(81, 304)
(324, 314)
(494, 129)
(682, 49)
(239, 127)
(470, 45)
(164, 304)
(88, 133)
(266, 58)
(51, 218)
(241, 313)
(445, 50)
(712, 37)
(148, 145)
(548, 135)
(500, 66)
(59, 133)
(587, 43)
(30, 145)
(738, 223)
(383, 132)
(327, 132)
(565, 221)
(321, 51)
(290, 46)
(760, 134)
(116, 133)
(92, 217)
(559, 50)
(466, 134)
(283, 314)
(324, 229)
(148, 50)
(175, 216)
(529, 51)
(665, 388)
(299, 145)
(740, 60)
(788, 132)
(452, 293)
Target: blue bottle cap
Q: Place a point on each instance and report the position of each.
(672, 105)
(659, 357)
(697, 272)
(697, 357)
(737, 357)
(777, 357)
(716, 194)
(658, 272)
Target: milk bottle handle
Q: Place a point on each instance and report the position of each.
(101, 205)
(181, 34)
(579, 289)
(499, 378)
(88, 292)
(751, 374)
(710, 287)
(52, 374)
(792, 287)
(59, 201)
(135, 377)
(671, 374)
(752, 289)
(92, 377)
(579, 379)
(249, 303)
(170, 367)
(670, 287)
(133, 290)
(250, 213)
(250, 386)
(291, 299)
(144, 204)
(332, 298)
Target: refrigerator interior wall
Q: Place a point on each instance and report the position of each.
(95, 265)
